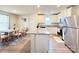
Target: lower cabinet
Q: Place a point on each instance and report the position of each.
(39, 43)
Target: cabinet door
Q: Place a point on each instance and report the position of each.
(41, 44)
(33, 43)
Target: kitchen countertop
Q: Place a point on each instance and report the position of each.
(45, 31)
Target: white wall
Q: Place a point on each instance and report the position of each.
(22, 23)
(13, 20)
(41, 18)
(30, 23)
(34, 19)
(55, 18)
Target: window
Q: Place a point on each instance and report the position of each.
(47, 21)
(4, 23)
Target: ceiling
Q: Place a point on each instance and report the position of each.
(30, 9)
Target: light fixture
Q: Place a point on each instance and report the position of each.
(14, 11)
(38, 6)
(39, 12)
(58, 5)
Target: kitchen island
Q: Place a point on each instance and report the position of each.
(40, 39)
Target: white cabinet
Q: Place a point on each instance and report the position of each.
(39, 43)
(42, 43)
(40, 39)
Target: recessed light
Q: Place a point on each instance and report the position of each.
(58, 5)
(38, 6)
(14, 11)
(39, 12)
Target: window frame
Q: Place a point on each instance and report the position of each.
(8, 19)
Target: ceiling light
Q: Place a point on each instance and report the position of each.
(14, 11)
(58, 5)
(39, 12)
(38, 6)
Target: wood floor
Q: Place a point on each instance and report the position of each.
(20, 45)
(56, 45)
(23, 45)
